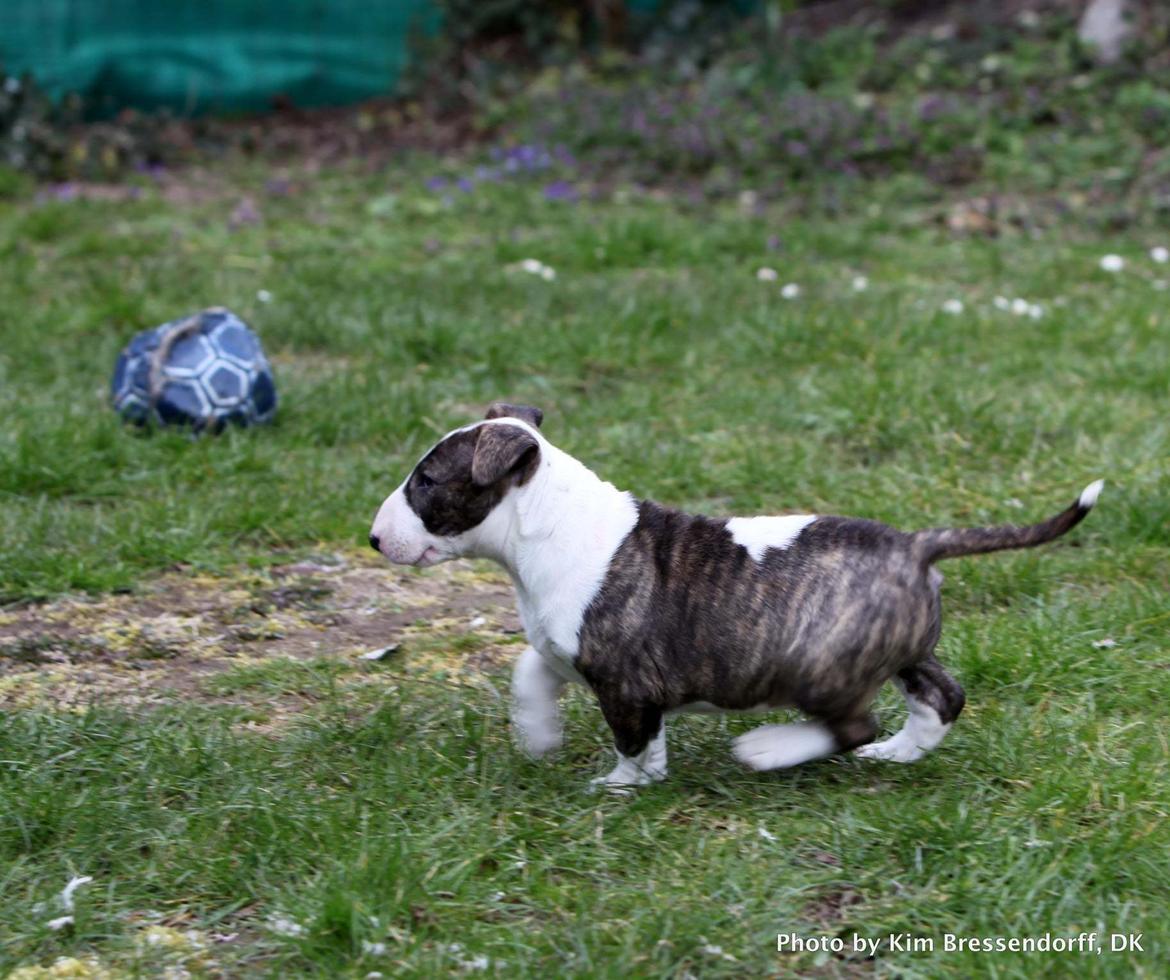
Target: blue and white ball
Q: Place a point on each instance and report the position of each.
(215, 374)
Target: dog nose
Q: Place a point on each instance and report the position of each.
(375, 542)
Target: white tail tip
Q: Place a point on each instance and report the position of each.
(1090, 494)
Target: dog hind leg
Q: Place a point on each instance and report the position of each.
(782, 746)
(934, 699)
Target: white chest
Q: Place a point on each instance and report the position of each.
(553, 636)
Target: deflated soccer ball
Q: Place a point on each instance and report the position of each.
(202, 372)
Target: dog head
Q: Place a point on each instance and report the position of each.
(434, 514)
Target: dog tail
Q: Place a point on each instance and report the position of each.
(937, 543)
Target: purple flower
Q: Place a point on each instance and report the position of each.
(436, 183)
(244, 213)
(527, 156)
(560, 190)
(155, 170)
(465, 185)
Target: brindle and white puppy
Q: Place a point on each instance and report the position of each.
(660, 611)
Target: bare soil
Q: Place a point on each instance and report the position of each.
(166, 641)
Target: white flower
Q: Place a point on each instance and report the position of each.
(264, 295)
(1105, 644)
(1001, 303)
(766, 834)
(1035, 311)
(537, 268)
(710, 949)
(67, 892)
(790, 291)
(65, 900)
(767, 275)
(282, 925)
(860, 284)
(953, 306)
(373, 949)
(12, 85)
(1020, 306)
(1160, 284)
(1160, 254)
(1112, 263)
(380, 654)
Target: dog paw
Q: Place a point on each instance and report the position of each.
(602, 785)
(537, 736)
(781, 746)
(893, 749)
(626, 775)
(536, 745)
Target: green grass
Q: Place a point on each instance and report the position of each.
(403, 815)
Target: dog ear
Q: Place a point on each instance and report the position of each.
(501, 450)
(526, 413)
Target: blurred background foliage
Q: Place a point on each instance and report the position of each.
(707, 96)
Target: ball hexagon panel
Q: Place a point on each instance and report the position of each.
(183, 402)
(215, 373)
(264, 394)
(189, 357)
(118, 381)
(225, 383)
(134, 409)
(130, 387)
(143, 343)
(236, 343)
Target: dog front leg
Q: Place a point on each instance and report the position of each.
(639, 735)
(535, 716)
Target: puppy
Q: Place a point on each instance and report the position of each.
(658, 611)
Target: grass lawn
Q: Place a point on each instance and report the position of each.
(381, 819)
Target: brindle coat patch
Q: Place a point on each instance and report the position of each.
(687, 615)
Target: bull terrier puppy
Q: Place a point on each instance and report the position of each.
(659, 611)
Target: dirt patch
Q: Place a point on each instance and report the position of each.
(831, 907)
(166, 641)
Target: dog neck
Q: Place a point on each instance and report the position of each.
(555, 535)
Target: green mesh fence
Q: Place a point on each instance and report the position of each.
(215, 55)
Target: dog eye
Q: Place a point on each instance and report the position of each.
(422, 481)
